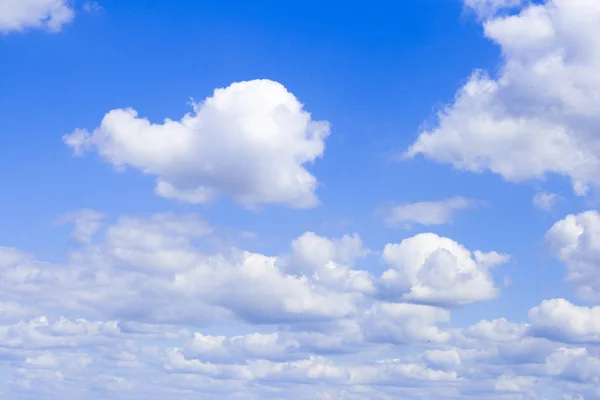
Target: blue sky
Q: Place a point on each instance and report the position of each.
(359, 201)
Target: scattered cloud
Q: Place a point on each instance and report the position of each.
(143, 296)
(163, 306)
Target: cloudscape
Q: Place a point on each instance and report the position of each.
(300, 200)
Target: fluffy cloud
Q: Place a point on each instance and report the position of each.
(538, 115)
(142, 300)
(434, 270)
(153, 270)
(17, 15)
(426, 212)
(251, 141)
(561, 320)
(575, 240)
(329, 261)
(404, 323)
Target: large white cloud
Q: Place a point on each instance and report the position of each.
(575, 240)
(17, 15)
(251, 141)
(539, 115)
(561, 320)
(431, 269)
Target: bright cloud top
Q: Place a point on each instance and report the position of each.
(17, 15)
(251, 141)
(431, 269)
(539, 116)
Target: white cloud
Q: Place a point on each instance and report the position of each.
(561, 320)
(516, 384)
(573, 364)
(499, 331)
(152, 270)
(329, 261)
(87, 223)
(18, 15)
(147, 299)
(575, 240)
(92, 7)
(545, 201)
(404, 323)
(251, 141)
(426, 212)
(49, 360)
(431, 269)
(538, 116)
(489, 8)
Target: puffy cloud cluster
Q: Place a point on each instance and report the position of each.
(17, 15)
(148, 300)
(538, 116)
(251, 141)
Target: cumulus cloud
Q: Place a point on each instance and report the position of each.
(152, 269)
(405, 323)
(18, 15)
(435, 270)
(561, 320)
(537, 117)
(329, 261)
(145, 300)
(252, 141)
(426, 212)
(575, 240)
